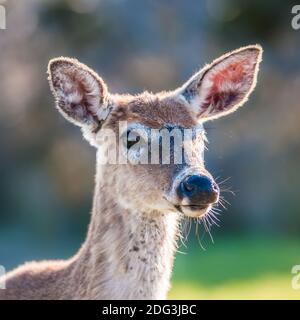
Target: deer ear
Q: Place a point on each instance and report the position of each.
(224, 85)
(80, 93)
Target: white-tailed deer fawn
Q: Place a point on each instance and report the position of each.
(131, 240)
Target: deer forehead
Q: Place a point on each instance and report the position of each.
(152, 111)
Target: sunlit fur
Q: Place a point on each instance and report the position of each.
(131, 241)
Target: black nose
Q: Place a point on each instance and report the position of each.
(199, 190)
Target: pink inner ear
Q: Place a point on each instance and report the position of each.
(226, 85)
(234, 72)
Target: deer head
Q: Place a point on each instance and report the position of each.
(215, 91)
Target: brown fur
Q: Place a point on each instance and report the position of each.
(131, 241)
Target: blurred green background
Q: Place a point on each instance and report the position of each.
(47, 170)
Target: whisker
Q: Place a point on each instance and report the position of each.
(214, 214)
(224, 200)
(217, 210)
(228, 191)
(222, 204)
(224, 181)
(208, 230)
(213, 219)
(189, 221)
(197, 234)
(183, 235)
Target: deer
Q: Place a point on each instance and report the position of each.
(137, 208)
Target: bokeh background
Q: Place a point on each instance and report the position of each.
(47, 170)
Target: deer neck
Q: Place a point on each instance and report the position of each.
(128, 254)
